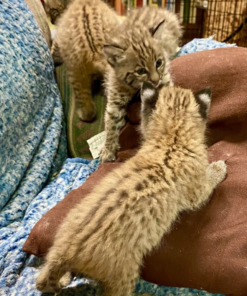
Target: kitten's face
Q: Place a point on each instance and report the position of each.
(143, 61)
(137, 68)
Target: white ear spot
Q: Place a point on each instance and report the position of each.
(205, 99)
(148, 93)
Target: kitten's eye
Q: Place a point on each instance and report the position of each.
(158, 63)
(141, 71)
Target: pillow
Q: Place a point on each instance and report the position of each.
(206, 249)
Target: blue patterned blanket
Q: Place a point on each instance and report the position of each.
(34, 172)
(199, 44)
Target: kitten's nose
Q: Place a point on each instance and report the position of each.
(155, 79)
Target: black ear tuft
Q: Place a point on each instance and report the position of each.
(203, 98)
(157, 32)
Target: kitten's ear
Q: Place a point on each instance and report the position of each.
(149, 93)
(157, 32)
(113, 54)
(203, 98)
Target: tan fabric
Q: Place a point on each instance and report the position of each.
(40, 16)
(206, 249)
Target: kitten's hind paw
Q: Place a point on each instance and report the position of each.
(217, 171)
(86, 113)
(44, 285)
(46, 288)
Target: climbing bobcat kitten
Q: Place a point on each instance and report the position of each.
(106, 236)
(139, 50)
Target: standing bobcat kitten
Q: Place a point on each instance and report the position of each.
(140, 53)
(107, 235)
(81, 34)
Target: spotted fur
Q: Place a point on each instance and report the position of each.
(151, 17)
(144, 42)
(108, 233)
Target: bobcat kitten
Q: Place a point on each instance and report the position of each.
(81, 34)
(141, 53)
(107, 235)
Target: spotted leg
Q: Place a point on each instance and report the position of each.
(114, 120)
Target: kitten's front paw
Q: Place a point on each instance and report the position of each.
(107, 155)
(218, 171)
(86, 113)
